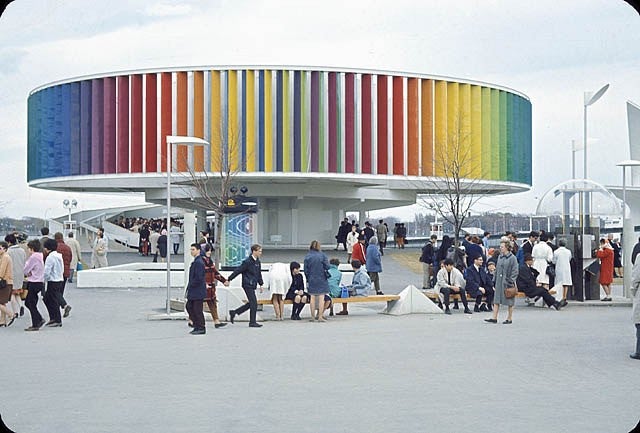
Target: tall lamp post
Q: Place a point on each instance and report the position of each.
(173, 140)
(627, 227)
(590, 98)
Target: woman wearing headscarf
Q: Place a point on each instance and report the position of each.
(505, 276)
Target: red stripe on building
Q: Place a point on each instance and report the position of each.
(366, 124)
(165, 116)
(151, 123)
(122, 141)
(382, 124)
(136, 123)
(398, 126)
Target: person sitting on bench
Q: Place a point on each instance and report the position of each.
(526, 283)
(360, 284)
(450, 280)
(479, 284)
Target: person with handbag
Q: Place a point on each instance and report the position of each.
(34, 271)
(316, 269)
(542, 256)
(505, 278)
(211, 276)
(7, 315)
(528, 283)
(99, 251)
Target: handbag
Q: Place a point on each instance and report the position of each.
(510, 292)
(100, 251)
(3, 283)
(23, 294)
(551, 271)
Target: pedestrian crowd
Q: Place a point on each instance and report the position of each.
(34, 270)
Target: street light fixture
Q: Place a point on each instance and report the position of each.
(69, 204)
(590, 98)
(173, 140)
(627, 227)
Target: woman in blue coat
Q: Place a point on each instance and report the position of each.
(316, 265)
(374, 263)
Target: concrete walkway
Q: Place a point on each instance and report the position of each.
(109, 369)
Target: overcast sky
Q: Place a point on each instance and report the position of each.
(552, 51)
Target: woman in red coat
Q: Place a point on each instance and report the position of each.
(605, 254)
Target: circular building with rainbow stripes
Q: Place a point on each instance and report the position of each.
(309, 143)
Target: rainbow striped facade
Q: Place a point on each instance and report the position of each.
(276, 121)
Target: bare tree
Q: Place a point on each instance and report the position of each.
(455, 188)
(209, 184)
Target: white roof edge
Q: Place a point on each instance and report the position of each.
(276, 67)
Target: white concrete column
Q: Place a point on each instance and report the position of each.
(628, 241)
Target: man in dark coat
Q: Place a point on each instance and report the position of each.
(527, 283)
(196, 291)
(251, 270)
(479, 283)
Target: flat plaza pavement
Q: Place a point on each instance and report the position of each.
(109, 369)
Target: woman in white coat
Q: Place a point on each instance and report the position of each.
(562, 260)
(635, 285)
(542, 256)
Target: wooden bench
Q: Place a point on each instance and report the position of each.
(349, 300)
(456, 297)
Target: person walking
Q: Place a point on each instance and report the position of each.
(98, 251)
(382, 232)
(605, 254)
(352, 239)
(316, 267)
(7, 315)
(196, 291)
(18, 258)
(251, 270)
(505, 276)
(562, 260)
(34, 271)
(53, 275)
(374, 263)
(175, 233)
(211, 277)
(76, 255)
(67, 257)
